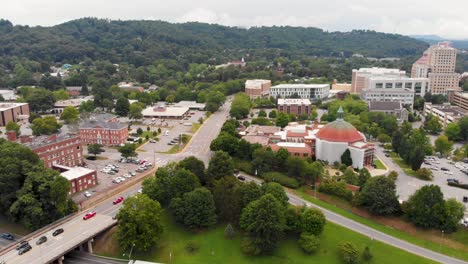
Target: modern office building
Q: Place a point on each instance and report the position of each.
(438, 65)
(404, 96)
(359, 77)
(257, 88)
(13, 112)
(445, 112)
(419, 86)
(295, 106)
(304, 91)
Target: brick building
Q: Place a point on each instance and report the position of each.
(109, 133)
(257, 88)
(55, 149)
(80, 178)
(295, 106)
(13, 112)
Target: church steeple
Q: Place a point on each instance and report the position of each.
(340, 114)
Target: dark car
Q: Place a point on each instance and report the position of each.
(387, 155)
(241, 178)
(444, 169)
(7, 236)
(24, 249)
(57, 232)
(41, 240)
(22, 244)
(465, 199)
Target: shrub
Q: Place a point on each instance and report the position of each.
(244, 166)
(424, 174)
(248, 247)
(309, 243)
(281, 179)
(192, 246)
(336, 188)
(348, 253)
(366, 254)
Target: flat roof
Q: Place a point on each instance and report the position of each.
(6, 106)
(70, 102)
(75, 172)
(287, 101)
(300, 85)
(190, 104)
(169, 111)
(291, 144)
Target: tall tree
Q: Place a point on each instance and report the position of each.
(379, 196)
(122, 106)
(346, 158)
(140, 223)
(135, 111)
(195, 166)
(220, 165)
(453, 132)
(70, 115)
(95, 149)
(128, 150)
(426, 207)
(443, 145)
(227, 199)
(195, 209)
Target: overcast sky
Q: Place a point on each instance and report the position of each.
(447, 18)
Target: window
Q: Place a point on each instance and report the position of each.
(388, 85)
(408, 85)
(379, 85)
(398, 85)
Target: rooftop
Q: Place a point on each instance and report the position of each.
(384, 106)
(75, 172)
(41, 141)
(300, 85)
(164, 111)
(256, 82)
(71, 102)
(190, 104)
(448, 109)
(6, 106)
(377, 70)
(282, 101)
(103, 124)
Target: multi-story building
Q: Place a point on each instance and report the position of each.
(359, 77)
(294, 106)
(458, 98)
(438, 65)
(257, 88)
(404, 96)
(304, 91)
(80, 178)
(104, 133)
(56, 149)
(446, 113)
(13, 112)
(392, 108)
(419, 86)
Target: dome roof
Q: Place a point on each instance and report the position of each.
(339, 131)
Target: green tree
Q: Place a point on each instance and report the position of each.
(128, 150)
(60, 95)
(277, 191)
(240, 106)
(453, 214)
(312, 221)
(463, 124)
(282, 119)
(348, 253)
(443, 145)
(13, 126)
(86, 107)
(426, 207)
(346, 158)
(45, 126)
(350, 177)
(262, 113)
(249, 192)
(309, 243)
(140, 223)
(70, 115)
(220, 165)
(379, 196)
(195, 166)
(272, 114)
(363, 177)
(366, 254)
(195, 209)
(95, 149)
(227, 198)
(453, 132)
(135, 111)
(264, 220)
(296, 167)
(40, 100)
(122, 106)
(225, 142)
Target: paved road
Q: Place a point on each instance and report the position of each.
(370, 232)
(77, 257)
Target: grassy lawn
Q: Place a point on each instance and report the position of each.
(405, 167)
(177, 148)
(195, 127)
(460, 236)
(214, 248)
(379, 164)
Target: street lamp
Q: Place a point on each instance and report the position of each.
(130, 254)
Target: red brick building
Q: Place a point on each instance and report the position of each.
(13, 112)
(56, 149)
(80, 178)
(257, 88)
(109, 133)
(295, 106)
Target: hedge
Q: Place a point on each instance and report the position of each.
(281, 179)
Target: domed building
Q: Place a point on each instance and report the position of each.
(327, 142)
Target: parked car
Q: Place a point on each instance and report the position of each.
(111, 172)
(465, 199)
(448, 172)
(87, 194)
(116, 180)
(89, 215)
(22, 244)
(118, 200)
(453, 180)
(133, 173)
(152, 141)
(24, 249)
(7, 236)
(444, 169)
(58, 232)
(464, 222)
(41, 240)
(241, 178)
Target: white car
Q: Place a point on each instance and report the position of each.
(448, 172)
(87, 194)
(464, 222)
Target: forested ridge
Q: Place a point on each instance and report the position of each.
(143, 42)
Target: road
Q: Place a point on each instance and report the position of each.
(367, 231)
(77, 257)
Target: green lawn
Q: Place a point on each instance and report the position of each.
(462, 235)
(177, 148)
(379, 164)
(214, 248)
(405, 167)
(195, 127)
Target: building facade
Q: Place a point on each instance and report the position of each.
(438, 65)
(304, 91)
(257, 88)
(404, 96)
(104, 133)
(56, 149)
(13, 112)
(446, 113)
(295, 106)
(392, 108)
(458, 98)
(359, 77)
(80, 178)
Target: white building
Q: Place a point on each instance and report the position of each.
(304, 91)
(446, 113)
(359, 77)
(420, 86)
(162, 111)
(405, 96)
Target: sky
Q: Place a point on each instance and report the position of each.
(445, 18)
